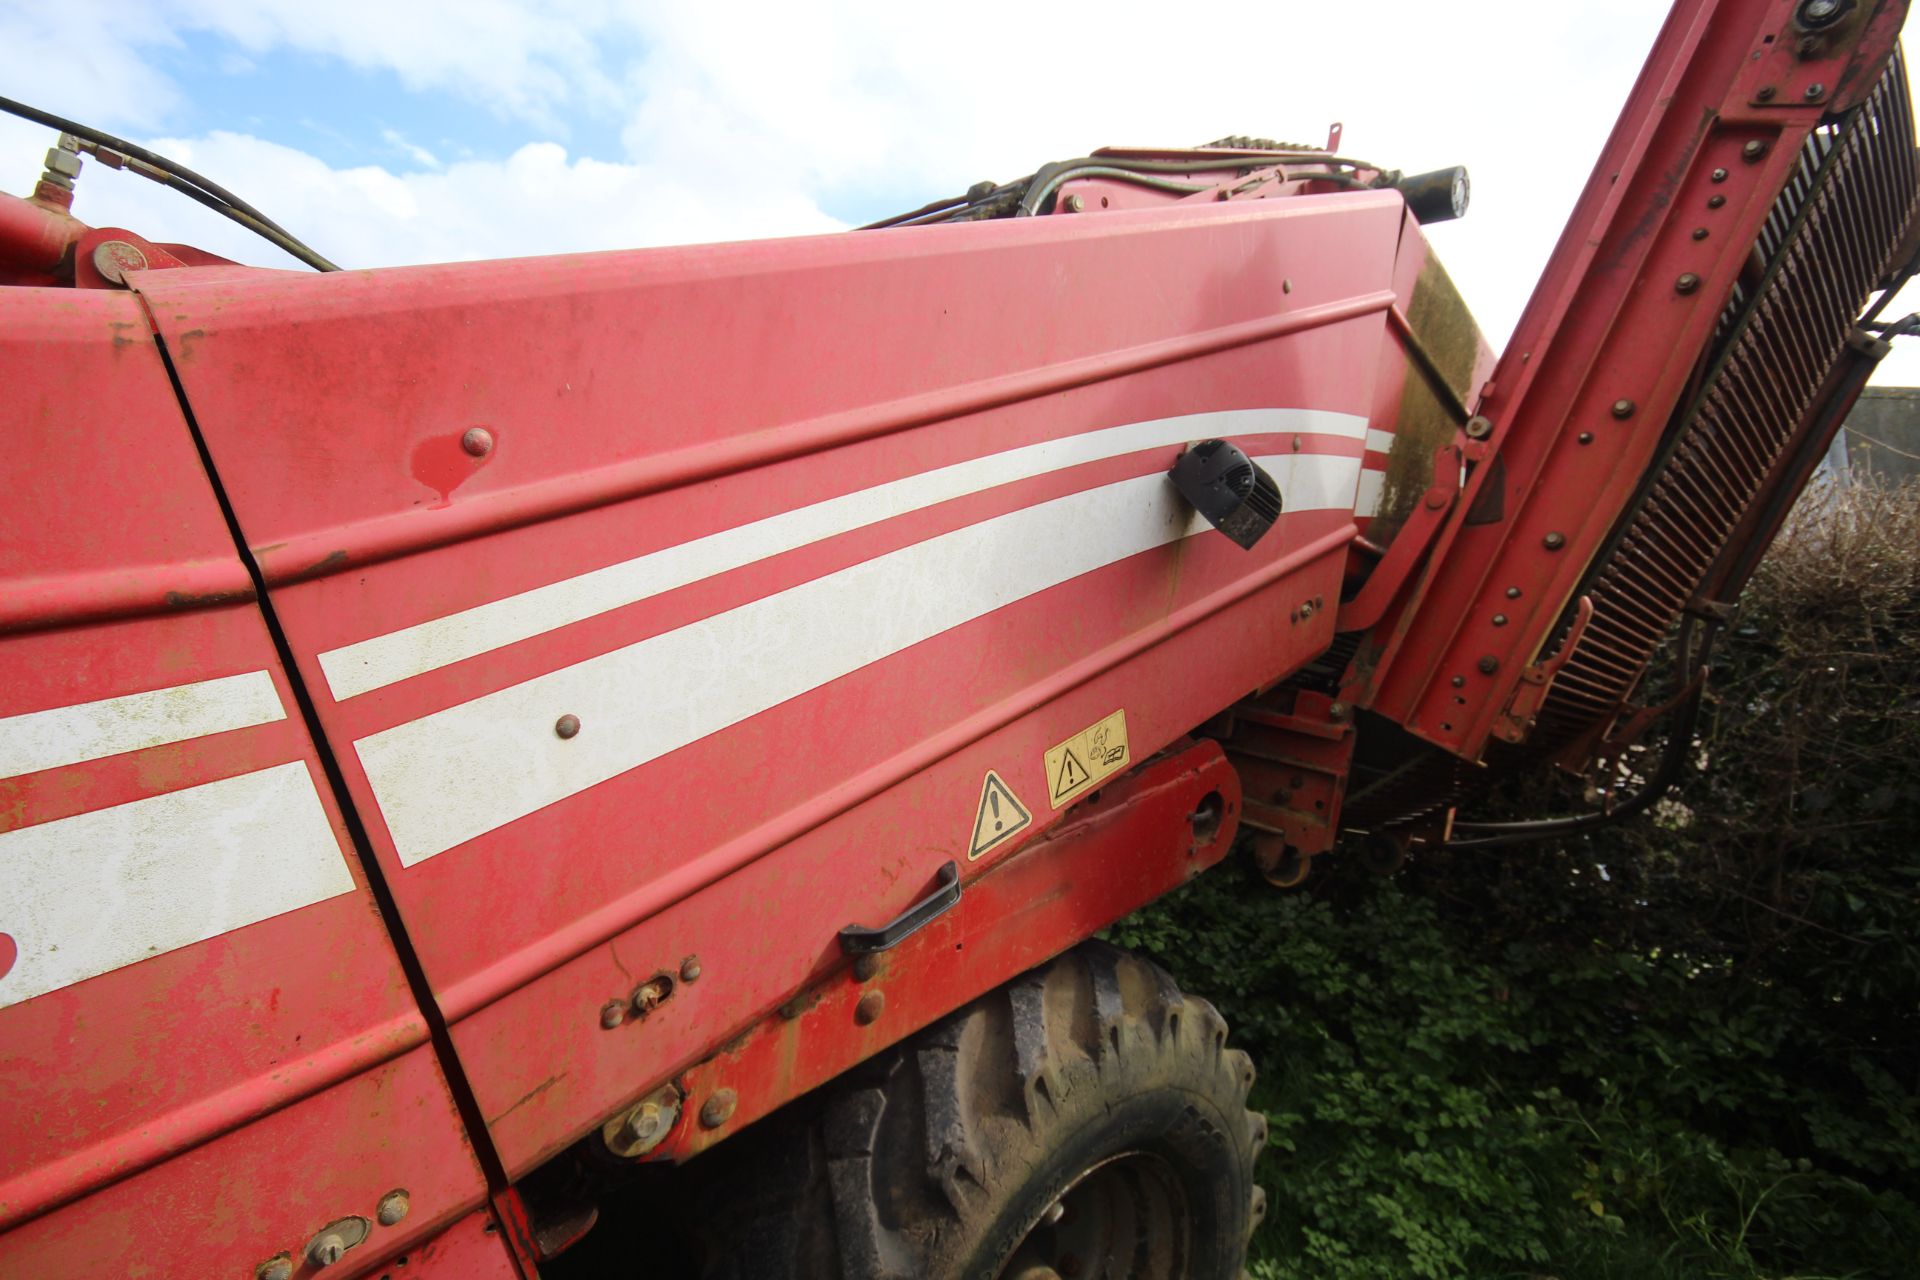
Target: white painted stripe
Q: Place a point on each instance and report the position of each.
(1372, 484)
(400, 655)
(1380, 441)
(92, 730)
(91, 893)
(459, 773)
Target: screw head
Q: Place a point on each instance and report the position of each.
(1753, 150)
(1623, 408)
(566, 726)
(278, 1267)
(1554, 541)
(690, 969)
(393, 1207)
(477, 441)
(327, 1250)
(718, 1109)
(1687, 282)
(871, 1006)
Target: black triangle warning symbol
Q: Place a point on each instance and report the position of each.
(999, 818)
(1072, 774)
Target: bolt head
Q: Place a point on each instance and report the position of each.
(718, 1109)
(1765, 93)
(1687, 282)
(643, 1122)
(1815, 92)
(477, 441)
(872, 1004)
(1753, 150)
(1623, 408)
(1075, 204)
(1554, 541)
(393, 1207)
(566, 726)
(1478, 428)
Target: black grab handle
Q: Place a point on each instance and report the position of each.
(858, 940)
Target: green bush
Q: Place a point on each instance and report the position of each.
(1687, 1046)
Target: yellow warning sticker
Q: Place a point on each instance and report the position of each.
(1000, 818)
(1088, 757)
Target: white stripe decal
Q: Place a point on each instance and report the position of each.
(400, 655)
(459, 773)
(1379, 441)
(91, 730)
(100, 890)
(1372, 484)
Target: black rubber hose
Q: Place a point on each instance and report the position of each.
(179, 178)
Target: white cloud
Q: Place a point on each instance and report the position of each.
(748, 119)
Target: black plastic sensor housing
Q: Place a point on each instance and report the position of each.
(1229, 489)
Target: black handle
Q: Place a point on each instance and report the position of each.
(858, 940)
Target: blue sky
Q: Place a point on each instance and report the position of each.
(394, 131)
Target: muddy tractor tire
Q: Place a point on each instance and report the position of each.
(1085, 1119)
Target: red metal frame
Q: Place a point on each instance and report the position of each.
(411, 459)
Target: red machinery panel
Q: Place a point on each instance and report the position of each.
(850, 522)
(188, 947)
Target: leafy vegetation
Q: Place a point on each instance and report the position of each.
(1684, 1047)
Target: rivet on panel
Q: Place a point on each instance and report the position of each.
(1687, 282)
(477, 441)
(1488, 665)
(1499, 619)
(612, 1014)
(1815, 92)
(1075, 204)
(278, 1267)
(1714, 202)
(566, 726)
(1513, 593)
(690, 969)
(1586, 437)
(870, 1007)
(718, 1109)
(1554, 541)
(1623, 408)
(393, 1207)
(1719, 175)
(1699, 233)
(1753, 150)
